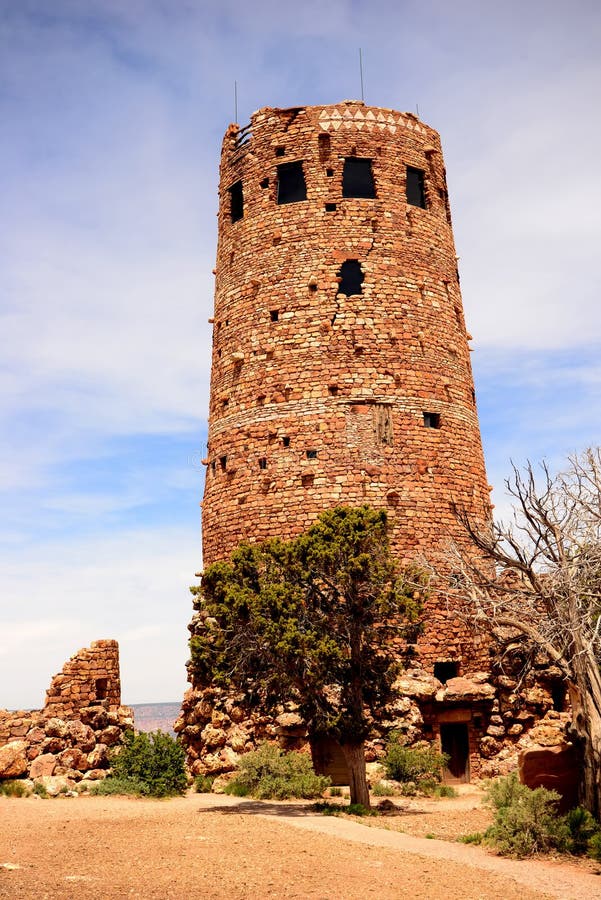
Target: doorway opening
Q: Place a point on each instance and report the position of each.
(454, 741)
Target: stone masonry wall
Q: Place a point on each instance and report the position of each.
(82, 720)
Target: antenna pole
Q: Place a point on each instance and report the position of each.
(361, 73)
(417, 109)
(236, 102)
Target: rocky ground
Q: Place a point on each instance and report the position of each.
(223, 847)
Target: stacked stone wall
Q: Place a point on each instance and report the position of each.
(82, 721)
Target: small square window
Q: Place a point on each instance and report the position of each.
(265, 183)
(330, 207)
(274, 315)
(329, 172)
(445, 670)
(291, 183)
(223, 463)
(432, 420)
(236, 201)
(416, 191)
(357, 178)
(311, 454)
(263, 462)
(280, 151)
(285, 441)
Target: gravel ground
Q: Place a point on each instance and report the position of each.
(210, 847)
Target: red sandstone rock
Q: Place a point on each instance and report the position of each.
(43, 765)
(555, 768)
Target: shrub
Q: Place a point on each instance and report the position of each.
(582, 828)
(118, 785)
(155, 760)
(382, 789)
(445, 790)
(476, 837)
(416, 764)
(40, 790)
(526, 820)
(203, 784)
(335, 792)
(594, 846)
(269, 773)
(14, 788)
(335, 809)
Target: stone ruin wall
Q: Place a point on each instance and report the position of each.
(318, 399)
(71, 738)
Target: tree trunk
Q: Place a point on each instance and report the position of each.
(585, 699)
(355, 761)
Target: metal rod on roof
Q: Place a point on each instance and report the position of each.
(236, 102)
(361, 73)
(417, 109)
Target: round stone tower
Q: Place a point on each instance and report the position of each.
(340, 370)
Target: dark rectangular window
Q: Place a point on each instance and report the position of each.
(357, 178)
(445, 670)
(416, 191)
(311, 454)
(291, 183)
(274, 315)
(236, 201)
(285, 441)
(263, 462)
(432, 420)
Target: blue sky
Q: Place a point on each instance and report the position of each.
(112, 114)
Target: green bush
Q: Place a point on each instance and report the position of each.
(335, 809)
(118, 785)
(155, 761)
(476, 837)
(335, 792)
(582, 828)
(445, 790)
(203, 784)
(14, 788)
(594, 846)
(40, 790)
(381, 789)
(413, 764)
(526, 821)
(269, 773)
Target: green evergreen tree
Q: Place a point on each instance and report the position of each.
(313, 620)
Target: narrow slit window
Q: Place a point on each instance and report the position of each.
(223, 463)
(236, 201)
(357, 178)
(274, 315)
(291, 183)
(416, 189)
(285, 441)
(351, 278)
(263, 462)
(432, 420)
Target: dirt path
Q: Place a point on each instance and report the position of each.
(209, 847)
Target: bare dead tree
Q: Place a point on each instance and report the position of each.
(540, 576)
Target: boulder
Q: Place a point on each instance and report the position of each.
(13, 759)
(81, 735)
(555, 768)
(98, 758)
(56, 784)
(213, 737)
(465, 690)
(416, 683)
(44, 764)
(74, 758)
(56, 728)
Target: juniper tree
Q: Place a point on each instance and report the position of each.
(313, 620)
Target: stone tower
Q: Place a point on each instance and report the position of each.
(340, 370)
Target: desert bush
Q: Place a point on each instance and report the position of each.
(582, 828)
(413, 764)
(269, 773)
(335, 792)
(444, 790)
(40, 790)
(119, 785)
(203, 784)
(526, 821)
(382, 789)
(14, 788)
(336, 809)
(594, 846)
(154, 760)
(475, 837)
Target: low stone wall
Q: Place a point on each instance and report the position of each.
(81, 722)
